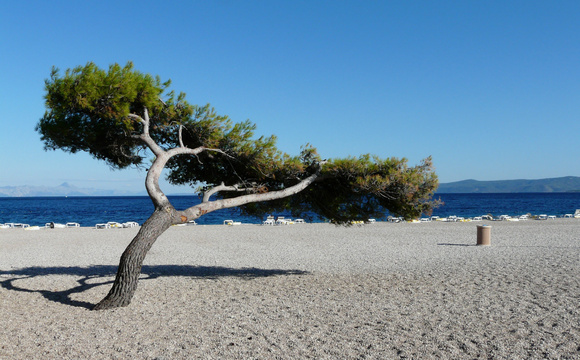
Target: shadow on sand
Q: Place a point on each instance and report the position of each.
(93, 276)
(449, 244)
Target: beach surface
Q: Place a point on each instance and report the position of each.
(378, 291)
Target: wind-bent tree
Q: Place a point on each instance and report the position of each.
(124, 117)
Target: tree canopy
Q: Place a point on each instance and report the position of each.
(97, 111)
(127, 118)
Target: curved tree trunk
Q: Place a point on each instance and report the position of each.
(132, 259)
(162, 218)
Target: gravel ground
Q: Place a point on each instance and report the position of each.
(378, 291)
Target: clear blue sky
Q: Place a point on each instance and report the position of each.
(490, 89)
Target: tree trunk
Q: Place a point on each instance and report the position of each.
(132, 259)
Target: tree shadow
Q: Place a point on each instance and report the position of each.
(449, 244)
(93, 276)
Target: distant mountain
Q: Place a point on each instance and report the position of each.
(64, 189)
(562, 184)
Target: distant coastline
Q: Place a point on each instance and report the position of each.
(567, 184)
(63, 190)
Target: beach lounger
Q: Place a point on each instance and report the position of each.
(231, 222)
(269, 221)
(281, 221)
(54, 225)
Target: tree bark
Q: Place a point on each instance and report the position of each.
(162, 218)
(131, 262)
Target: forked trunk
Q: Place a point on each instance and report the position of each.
(132, 259)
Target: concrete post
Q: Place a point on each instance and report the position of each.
(483, 235)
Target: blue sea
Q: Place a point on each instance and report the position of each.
(89, 211)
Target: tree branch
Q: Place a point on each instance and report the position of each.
(161, 159)
(180, 136)
(137, 117)
(223, 187)
(196, 211)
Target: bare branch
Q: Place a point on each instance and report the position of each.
(223, 187)
(180, 136)
(137, 117)
(208, 206)
(145, 137)
(161, 158)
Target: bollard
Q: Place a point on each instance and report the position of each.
(483, 235)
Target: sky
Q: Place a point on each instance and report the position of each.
(489, 89)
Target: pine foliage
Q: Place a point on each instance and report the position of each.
(93, 110)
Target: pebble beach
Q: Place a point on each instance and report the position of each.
(377, 291)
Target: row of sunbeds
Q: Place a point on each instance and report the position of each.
(53, 225)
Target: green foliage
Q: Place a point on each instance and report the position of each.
(88, 111)
(362, 188)
(93, 110)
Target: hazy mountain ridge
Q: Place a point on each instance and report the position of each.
(561, 184)
(64, 189)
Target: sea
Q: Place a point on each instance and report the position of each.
(88, 211)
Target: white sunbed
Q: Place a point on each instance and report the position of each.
(130, 224)
(231, 222)
(53, 225)
(281, 220)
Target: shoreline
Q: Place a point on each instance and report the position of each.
(311, 290)
(452, 219)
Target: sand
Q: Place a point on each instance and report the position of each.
(379, 291)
